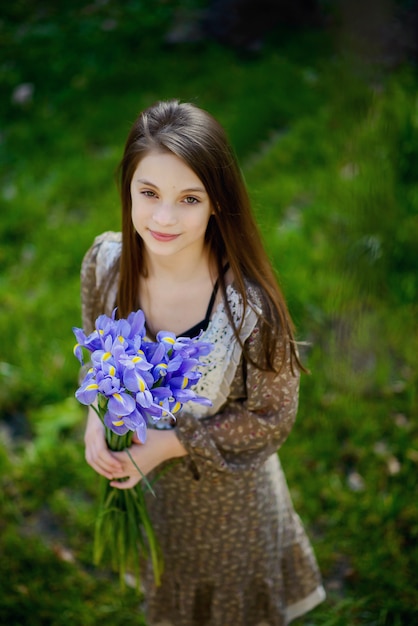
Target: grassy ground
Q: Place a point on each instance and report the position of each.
(330, 153)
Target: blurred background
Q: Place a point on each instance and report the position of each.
(319, 99)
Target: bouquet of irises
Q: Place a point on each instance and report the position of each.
(133, 384)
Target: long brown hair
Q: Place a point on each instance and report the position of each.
(199, 140)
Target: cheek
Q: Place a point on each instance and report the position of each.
(200, 224)
(137, 216)
(137, 207)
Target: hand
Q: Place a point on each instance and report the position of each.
(160, 446)
(97, 454)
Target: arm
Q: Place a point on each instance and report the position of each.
(248, 430)
(89, 288)
(238, 439)
(98, 263)
(97, 453)
(160, 446)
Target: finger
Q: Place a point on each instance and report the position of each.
(100, 470)
(125, 484)
(103, 463)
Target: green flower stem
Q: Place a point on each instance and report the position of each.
(144, 478)
(123, 531)
(153, 546)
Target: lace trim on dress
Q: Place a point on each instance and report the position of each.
(221, 364)
(307, 604)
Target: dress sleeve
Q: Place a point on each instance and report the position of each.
(96, 265)
(248, 430)
(89, 288)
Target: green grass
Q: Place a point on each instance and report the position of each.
(330, 154)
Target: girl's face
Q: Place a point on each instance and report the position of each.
(170, 206)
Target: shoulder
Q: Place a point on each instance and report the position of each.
(99, 276)
(100, 259)
(270, 334)
(247, 308)
(103, 254)
(256, 296)
(106, 245)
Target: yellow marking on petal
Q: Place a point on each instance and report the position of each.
(169, 340)
(90, 370)
(185, 382)
(92, 386)
(137, 359)
(118, 423)
(112, 370)
(163, 365)
(176, 407)
(118, 397)
(121, 339)
(101, 331)
(107, 356)
(142, 385)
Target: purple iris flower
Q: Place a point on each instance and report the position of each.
(78, 353)
(155, 352)
(108, 385)
(166, 339)
(182, 365)
(137, 423)
(136, 321)
(192, 347)
(87, 392)
(121, 424)
(121, 403)
(116, 423)
(137, 380)
(137, 361)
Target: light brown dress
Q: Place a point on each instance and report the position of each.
(235, 551)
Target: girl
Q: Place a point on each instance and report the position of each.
(190, 256)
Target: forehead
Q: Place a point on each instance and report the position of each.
(165, 166)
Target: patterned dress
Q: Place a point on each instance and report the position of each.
(235, 552)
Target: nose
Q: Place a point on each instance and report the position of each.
(164, 214)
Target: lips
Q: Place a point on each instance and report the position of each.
(162, 236)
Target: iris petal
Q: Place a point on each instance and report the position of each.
(136, 380)
(121, 404)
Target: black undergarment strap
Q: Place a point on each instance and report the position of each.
(195, 330)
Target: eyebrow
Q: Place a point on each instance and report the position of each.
(143, 181)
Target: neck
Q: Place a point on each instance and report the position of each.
(181, 269)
